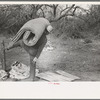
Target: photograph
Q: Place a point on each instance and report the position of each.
(49, 50)
(50, 42)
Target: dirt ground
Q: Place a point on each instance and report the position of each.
(71, 55)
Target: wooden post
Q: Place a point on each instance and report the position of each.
(3, 55)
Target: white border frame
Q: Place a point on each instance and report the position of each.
(49, 90)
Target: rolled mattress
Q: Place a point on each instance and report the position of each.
(31, 31)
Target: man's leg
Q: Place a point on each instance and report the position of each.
(32, 68)
(34, 52)
(36, 55)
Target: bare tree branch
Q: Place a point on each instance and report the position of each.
(55, 5)
(10, 25)
(39, 6)
(85, 10)
(81, 18)
(54, 8)
(64, 10)
(65, 14)
(51, 6)
(42, 12)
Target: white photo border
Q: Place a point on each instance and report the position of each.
(45, 90)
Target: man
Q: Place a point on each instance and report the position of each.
(32, 37)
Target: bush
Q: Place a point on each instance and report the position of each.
(71, 27)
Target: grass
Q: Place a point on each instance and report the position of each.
(71, 55)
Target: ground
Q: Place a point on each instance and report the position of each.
(71, 55)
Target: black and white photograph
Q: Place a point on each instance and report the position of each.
(49, 50)
(49, 42)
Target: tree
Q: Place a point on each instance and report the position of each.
(12, 17)
(59, 12)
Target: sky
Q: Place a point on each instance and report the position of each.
(85, 6)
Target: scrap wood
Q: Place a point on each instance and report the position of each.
(20, 71)
(67, 74)
(3, 75)
(53, 77)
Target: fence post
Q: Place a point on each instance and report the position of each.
(3, 55)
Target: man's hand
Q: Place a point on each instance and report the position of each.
(35, 59)
(49, 28)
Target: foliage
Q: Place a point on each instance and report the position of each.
(68, 19)
(81, 25)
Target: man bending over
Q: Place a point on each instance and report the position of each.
(32, 37)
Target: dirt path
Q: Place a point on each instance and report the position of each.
(72, 56)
